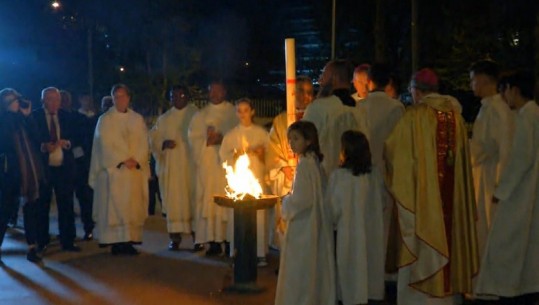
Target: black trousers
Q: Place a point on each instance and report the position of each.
(61, 181)
(9, 203)
(84, 193)
(153, 189)
(33, 212)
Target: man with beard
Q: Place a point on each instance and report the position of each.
(333, 112)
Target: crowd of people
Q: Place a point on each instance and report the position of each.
(371, 190)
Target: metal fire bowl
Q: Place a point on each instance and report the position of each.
(265, 202)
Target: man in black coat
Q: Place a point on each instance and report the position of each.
(82, 137)
(54, 139)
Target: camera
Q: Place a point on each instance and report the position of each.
(24, 103)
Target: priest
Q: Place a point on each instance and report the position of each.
(490, 143)
(206, 132)
(509, 264)
(430, 177)
(119, 174)
(174, 164)
(280, 160)
(333, 112)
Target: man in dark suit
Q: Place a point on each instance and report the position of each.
(82, 137)
(54, 138)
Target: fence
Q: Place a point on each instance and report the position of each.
(265, 108)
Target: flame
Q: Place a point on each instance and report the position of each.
(241, 180)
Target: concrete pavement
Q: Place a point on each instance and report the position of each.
(94, 276)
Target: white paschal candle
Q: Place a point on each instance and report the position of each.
(290, 59)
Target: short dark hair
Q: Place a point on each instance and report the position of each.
(486, 67)
(178, 88)
(342, 70)
(379, 73)
(118, 87)
(523, 80)
(308, 132)
(356, 152)
(218, 81)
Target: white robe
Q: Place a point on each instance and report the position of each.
(381, 114)
(306, 269)
(356, 209)
(489, 148)
(211, 219)
(120, 194)
(175, 168)
(238, 140)
(510, 263)
(331, 119)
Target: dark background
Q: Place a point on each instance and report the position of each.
(159, 43)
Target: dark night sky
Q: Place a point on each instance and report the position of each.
(160, 42)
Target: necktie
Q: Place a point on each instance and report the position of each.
(53, 128)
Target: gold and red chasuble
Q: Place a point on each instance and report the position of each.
(445, 153)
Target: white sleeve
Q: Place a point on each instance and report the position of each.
(302, 196)
(520, 160)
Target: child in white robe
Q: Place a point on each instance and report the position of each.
(306, 269)
(354, 196)
(251, 139)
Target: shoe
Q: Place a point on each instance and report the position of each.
(33, 256)
(88, 236)
(214, 250)
(173, 246)
(130, 250)
(115, 249)
(262, 262)
(227, 248)
(41, 250)
(198, 247)
(71, 248)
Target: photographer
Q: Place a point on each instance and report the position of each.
(21, 168)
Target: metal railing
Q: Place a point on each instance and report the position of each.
(266, 108)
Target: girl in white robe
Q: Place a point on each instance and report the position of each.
(354, 196)
(251, 139)
(306, 269)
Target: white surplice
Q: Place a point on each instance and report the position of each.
(307, 262)
(381, 113)
(510, 262)
(238, 140)
(331, 118)
(356, 209)
(175, 167)
(489, 148)
(120, 194)
(211, 219)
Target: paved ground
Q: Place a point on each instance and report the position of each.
(94, 276)
(157, 276)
